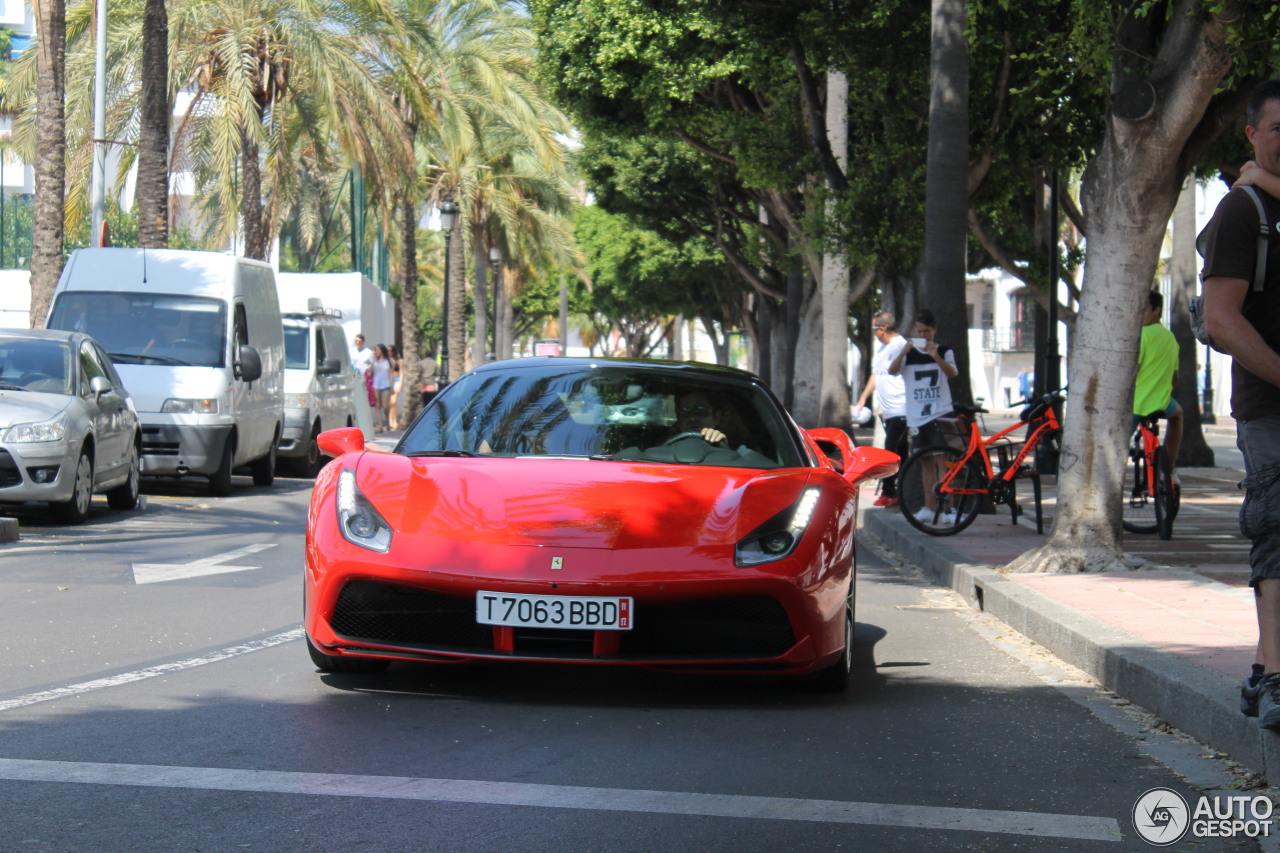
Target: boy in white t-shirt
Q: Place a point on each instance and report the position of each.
(890, 396)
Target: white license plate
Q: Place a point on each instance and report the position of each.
(593, 613)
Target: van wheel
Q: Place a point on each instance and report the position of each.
(125, 495)
(220, 480)
(76, 509)
(314, 460)
(264, 467)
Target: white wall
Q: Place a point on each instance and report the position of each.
(15, 299)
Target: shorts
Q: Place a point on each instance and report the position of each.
(925, 435)
(1168, 411)
(1259, 443)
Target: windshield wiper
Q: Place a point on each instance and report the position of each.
(417, 453)
(4, 386)
(131, 358)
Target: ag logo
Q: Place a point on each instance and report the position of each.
(1161, 817)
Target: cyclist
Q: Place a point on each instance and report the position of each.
(1157, 376)
(927, 370)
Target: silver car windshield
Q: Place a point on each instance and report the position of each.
(617, 413)
(35, 365)
(147, 328)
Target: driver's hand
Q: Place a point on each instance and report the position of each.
(713, 435)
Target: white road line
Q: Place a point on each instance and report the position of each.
(564, 797)
(144, 573)
(150, 672)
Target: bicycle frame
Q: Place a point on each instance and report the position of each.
(1044, 424)
(1150, 442)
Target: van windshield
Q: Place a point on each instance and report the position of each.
(297, 344)
(147, 328)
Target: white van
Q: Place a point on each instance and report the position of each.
(318, 384)
(196, 337)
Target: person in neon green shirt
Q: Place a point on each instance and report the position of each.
(1157, 375)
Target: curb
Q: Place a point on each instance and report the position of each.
(1199, 702)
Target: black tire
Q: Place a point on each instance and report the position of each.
(264, 467)
(835, 678)
(75, 509)
(330, 663)
(124, 497)
(1166, 510)
(311, 464)
(220, 480)
(1139, 513)
(952, 512)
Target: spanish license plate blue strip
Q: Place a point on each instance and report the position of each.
(581, 612)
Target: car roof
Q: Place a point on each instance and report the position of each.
(689, 368)
(43, 334)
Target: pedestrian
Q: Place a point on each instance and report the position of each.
(394, 406)
(1246, 323)
(890, 396)
(1026, 382)
(927, 370)
(382, 387)
(1158, 376)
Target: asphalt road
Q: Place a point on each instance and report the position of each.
(155, 695)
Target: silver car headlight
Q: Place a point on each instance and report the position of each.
(54, 429)
(778, 536)
(178, 406)
(359, 522)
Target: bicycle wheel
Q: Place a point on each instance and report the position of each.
(954, 509)
(1166, 510)
(1139, 514)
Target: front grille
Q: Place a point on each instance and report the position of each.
(9, 473)
(153, 446)
(720, 629)
(381, 613)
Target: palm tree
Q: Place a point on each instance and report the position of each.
(153, 129)
(50, 153)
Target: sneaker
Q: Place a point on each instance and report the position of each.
(1269, 701)
(948, 517)
(886, 500)
(1249, 695)
(925, 515)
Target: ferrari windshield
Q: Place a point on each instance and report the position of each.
(624, 412)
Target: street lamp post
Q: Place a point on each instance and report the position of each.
(495, 264)
(448, 217)
(1206, 411)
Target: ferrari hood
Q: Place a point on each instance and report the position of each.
(574, 503)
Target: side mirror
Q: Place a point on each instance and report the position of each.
(100, 385)
(834, 444)
(336, 442)
(855, 464)
(248, 364)
(329, 366)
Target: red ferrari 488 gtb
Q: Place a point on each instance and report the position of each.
(596, 511)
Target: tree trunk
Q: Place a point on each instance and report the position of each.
(251, 199)
(1128, 193)
(833, 409)
(947, 185)
(153, 130)
(807, 353)
(456, 322)
(1195, 451)
(480, 261)
(410, 343)
(50, 165)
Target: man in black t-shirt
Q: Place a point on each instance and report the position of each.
(1246, 323)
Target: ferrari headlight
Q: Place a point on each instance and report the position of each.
(359, 522)
(51, 430)
(177, 406)
(778, 536)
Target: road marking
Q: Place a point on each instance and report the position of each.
(161, 572)
(564, 797)
(151, 672)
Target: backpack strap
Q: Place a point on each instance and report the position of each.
(1264, 231)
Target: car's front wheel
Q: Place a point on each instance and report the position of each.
(835, 678)
(76, 509)
(125, 495)
(332, 663)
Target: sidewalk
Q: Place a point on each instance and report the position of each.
(1175, 635)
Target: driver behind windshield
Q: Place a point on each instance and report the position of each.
(696, 413)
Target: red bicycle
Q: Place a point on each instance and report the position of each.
(941, 487)
(1151, 497)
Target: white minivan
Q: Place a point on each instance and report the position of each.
(197, 339)
(318, 385)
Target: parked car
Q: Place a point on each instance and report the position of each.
(520, 518)
(68, 427)
(197, 336)
(319, 386)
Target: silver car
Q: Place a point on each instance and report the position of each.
(68, 428)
